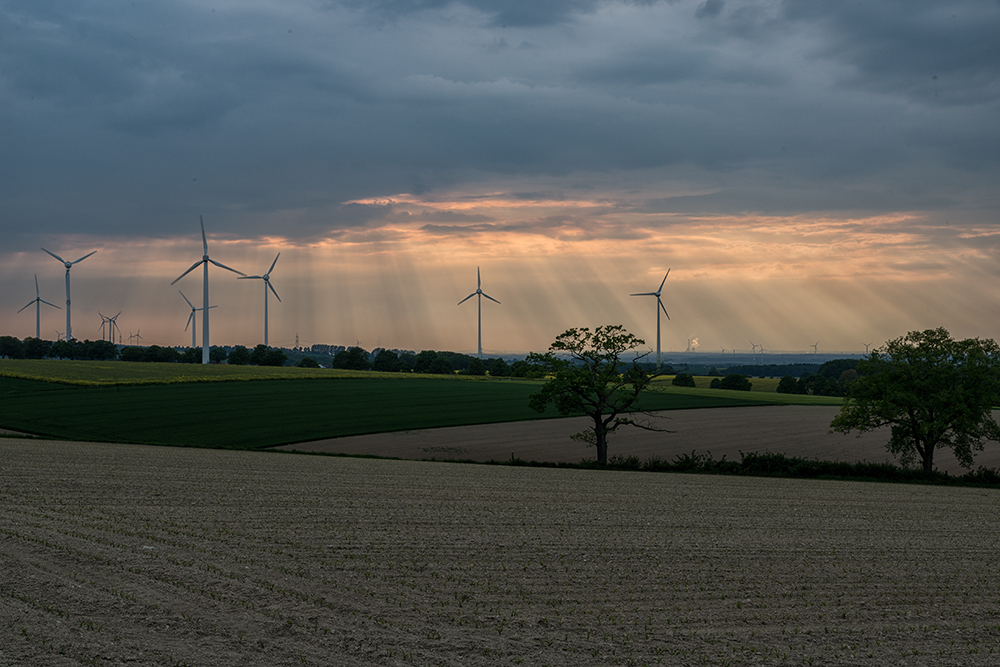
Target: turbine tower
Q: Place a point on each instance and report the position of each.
(479, 293)
(205, 261)
(68, 265)
(867, 345)
(659, 307)
(192, 319)
(267, 285)
(38, 301)
(815, 347)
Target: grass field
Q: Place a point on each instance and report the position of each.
(115, 554)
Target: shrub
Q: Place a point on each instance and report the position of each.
(683, 380)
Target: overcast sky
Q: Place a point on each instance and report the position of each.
(808, 170)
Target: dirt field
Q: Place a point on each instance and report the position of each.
(132, 555)
(790, 430)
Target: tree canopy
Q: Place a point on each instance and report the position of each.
(932, 391)
(586, 375)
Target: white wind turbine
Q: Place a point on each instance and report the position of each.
(267, 285)
(659, 307)
(479, 293)
(69, 265)
(205, 261)
(38, 301)
(815, 347)
(192, 319)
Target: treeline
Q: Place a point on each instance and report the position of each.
(831, 379)
(36, 348)
(235, 356)
(778, 465)
(775, 370)
(429, 361)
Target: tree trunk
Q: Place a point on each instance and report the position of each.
(601, 440)
(928, 458)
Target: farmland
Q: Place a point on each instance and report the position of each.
(113, 554)
(250, 407)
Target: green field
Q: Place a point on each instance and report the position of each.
(216, 406)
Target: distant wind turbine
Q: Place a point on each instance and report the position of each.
(59, 334)
(480, 294)
(753, 352)
(659, 307)
(205, 261)
(69, 265)
(866, 347)
(815, 347)
(192, 319)
(267, 285)
(38, 301)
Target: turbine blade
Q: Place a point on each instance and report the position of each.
(223, 266)
(37, 293)
(466, 298)
(186, 299)
(190, 317)
(50, 304)
(56, 256)
(193, 267)
(204, 240)
(273, 263)
(479, 279)
(663, 307)
(489, 297)
(268, 283)
(664, 280)
(643, 294)
(29, 303)
(83, 258)
(249, 277)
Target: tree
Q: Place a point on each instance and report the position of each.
(499, 368)
(593, 380)
(386, 361)
(11, 347)
(683, 379)
(736, 381)
(36, 348)
(352, 359)
(238, 356)
(788, 385)
(307, 362)
(192, 355)
(217, 355)
(274, 358)
(932, 391)
(430, 361)
(475, 367)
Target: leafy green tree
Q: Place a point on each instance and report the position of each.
(386, 361)
(406, 361)
(683, 379)
(475, 367)
(353, 359)
(788, 385)
(499, 368)
(257, 354)
(714, 372)
(593, 380)
(274, 358)
(11, 348)
(217, 355)
(716, 383)
(430, 361)
(932, 391)
(133, 354)
(307, 362)
(736, 381)
(36, 348)
(192, 355)
(238, 356)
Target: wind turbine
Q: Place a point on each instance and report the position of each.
(38, 301)
(68, 265)
(659, 307)
(753, 352)
(104, 321)
(480, 294)
(815, 347)
(192, 319)
(866, 347)
(267, 285)
(114, 327)
(59, 334)
(205, 261)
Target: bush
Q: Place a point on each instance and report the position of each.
(683, 380)
(499, 368)
(307, 362)
(716, 383)
(239, 356)
(788, 385)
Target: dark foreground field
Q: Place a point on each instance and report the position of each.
(138, 555)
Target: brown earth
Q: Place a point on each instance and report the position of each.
(793, 430)
(137, 555)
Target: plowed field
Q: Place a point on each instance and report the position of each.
(139, 555)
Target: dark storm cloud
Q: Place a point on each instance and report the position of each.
(121, 120)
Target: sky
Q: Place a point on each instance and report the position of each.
(810, 172)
